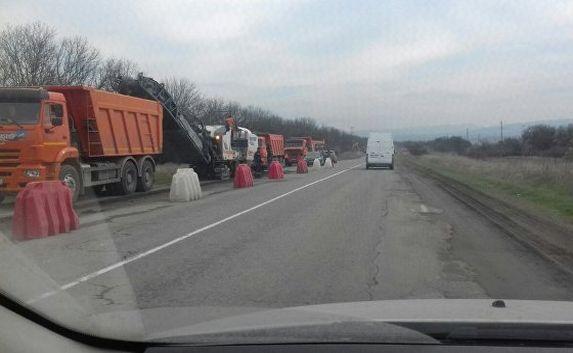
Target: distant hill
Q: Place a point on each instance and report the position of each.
(475, 132)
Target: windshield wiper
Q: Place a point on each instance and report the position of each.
(11, 121)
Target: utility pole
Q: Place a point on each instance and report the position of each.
(501, 130)
(467, 134)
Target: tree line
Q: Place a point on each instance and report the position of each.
(34, 55)
(537, 140)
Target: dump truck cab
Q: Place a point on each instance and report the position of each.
(295, 148)
(80, 135)
(35, 137)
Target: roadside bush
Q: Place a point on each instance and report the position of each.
(511, 147)
(415, 148)
(505, 148)
(453, 144)
(538, 139)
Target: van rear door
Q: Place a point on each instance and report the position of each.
(379, 152)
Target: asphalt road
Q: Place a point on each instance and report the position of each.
(343, 234)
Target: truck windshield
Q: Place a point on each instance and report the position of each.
(293, 143)
(19, 113)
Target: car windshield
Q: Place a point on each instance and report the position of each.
(19, 113)
(184, 181)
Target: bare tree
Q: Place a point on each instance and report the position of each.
(214, 111)
(186, 95)
(32, 55)
(77, 62)
(27, 53)
(111, 70)
(236, 111)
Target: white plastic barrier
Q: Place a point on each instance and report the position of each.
(185, 185)
(316, 165)
(328, 163)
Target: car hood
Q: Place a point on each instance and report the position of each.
(403, 321)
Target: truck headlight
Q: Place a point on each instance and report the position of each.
(32, 173)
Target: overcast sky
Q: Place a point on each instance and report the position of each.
(368, 64)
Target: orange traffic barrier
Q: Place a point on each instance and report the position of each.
(276, 170)
(243, 176)
(301, 166)
(42, 209)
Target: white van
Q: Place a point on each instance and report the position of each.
(380, 150)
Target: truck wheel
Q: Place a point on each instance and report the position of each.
(70, 176)
(128, 182)
(147, 178)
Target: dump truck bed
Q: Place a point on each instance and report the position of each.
(276, 144)
(111, 124)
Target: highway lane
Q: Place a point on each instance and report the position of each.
(341, 235)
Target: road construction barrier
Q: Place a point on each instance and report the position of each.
(301, 166)
(185, 186)
(276, 170)
(42, 209)
(328, 163)
(243, 176)
(316, 165)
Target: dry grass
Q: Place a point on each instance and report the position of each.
(543, 182)
(532, 171)
(164, 172)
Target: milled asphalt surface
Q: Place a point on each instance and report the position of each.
(360, 235)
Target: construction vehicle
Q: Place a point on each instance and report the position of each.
(234, 144)
(83, 136)
(295, 149)
(186, 139)
(274, 145)
(270, 148)
(318, 145)
(312, 144)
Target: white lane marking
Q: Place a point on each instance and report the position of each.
(179, 239)
(424, 208)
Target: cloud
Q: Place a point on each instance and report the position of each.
(188, 22)
(368, 64)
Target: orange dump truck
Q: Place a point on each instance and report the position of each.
(295, 148)
(83, 136)
(272, 146)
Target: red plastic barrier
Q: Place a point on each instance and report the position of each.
(43, 209)
(243, 176)
(301, 166)
(276, 170)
